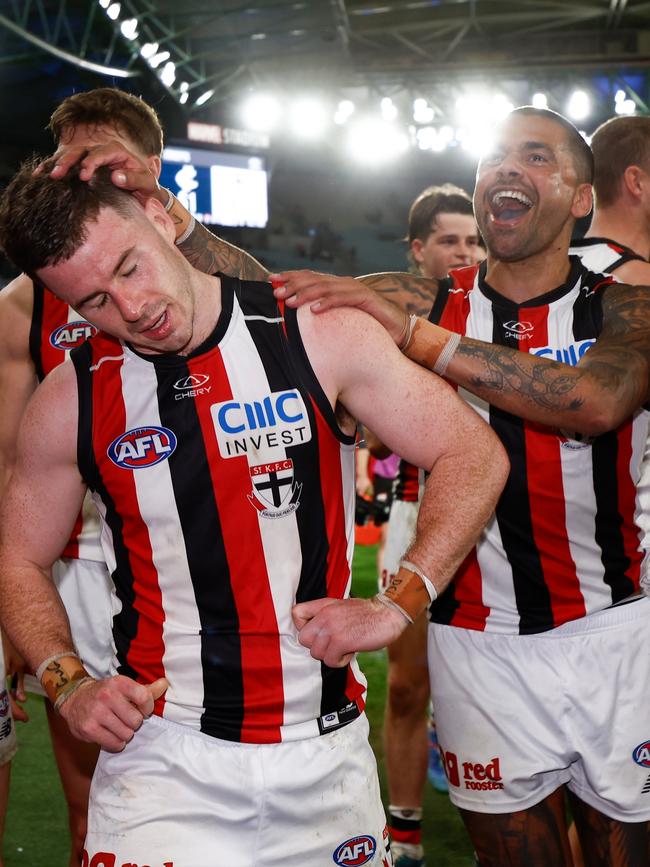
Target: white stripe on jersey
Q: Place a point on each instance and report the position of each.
(348, 474)
(280, 538)
(598, 258)
(181, 628)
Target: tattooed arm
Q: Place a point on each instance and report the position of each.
(611, 381)
(209, 253)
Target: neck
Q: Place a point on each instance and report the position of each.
(530, 277)
(625, 225)
(207, 308)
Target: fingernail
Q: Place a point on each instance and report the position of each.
(120, 177)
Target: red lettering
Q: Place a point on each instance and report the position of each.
(479, 772)
(492, 770)
(451, 765)
(103, 859)
(467, 770)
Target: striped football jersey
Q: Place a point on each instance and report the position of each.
(226, 490)
(602, 255)
(564, 540)
(54, 331)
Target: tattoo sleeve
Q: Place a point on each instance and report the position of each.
(209, 254)
(608, 385)
(412, 293)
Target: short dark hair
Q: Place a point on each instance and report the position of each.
(446, 199)
(108, 106)
(583, 158)
(43, 221)
(617, 144)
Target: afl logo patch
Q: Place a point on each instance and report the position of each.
(142, 447)
(72, 334)
(641, 754)
(355, 851)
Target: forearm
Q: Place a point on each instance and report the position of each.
(209, 253)
(590, 398)
(409, 292)
(459, 498)
(33, 615)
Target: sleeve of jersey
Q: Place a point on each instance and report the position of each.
(82, 359)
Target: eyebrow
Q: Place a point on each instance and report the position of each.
(537, 145)
(125, 255)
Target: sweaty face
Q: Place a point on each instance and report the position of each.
(452, 243)
(527, 195)
(127, 279)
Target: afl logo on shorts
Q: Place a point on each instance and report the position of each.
(142, 447)
(72, 334)
(641, 754)
(355, 851)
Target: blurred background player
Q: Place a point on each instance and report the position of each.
(442, 235)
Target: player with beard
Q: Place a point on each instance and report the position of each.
(538, 650)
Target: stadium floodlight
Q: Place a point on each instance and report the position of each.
(539, 100)
(344, 111)
(113, 11)
(430, 139)
(375, 141)
(168, 74)
(184, 86)
(422, 111)
(623, 105)
(204, 97)
(148, 49)
(307, 118)
(388, 109)
(579, 105)
(261, 112)
(104, 3)
(183, 97)
(129, 28)
(157, 59)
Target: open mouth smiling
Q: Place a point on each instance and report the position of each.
(508, 206)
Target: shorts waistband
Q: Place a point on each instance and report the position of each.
(624, 612)
(323, 725)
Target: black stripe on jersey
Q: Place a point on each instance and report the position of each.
(513, 509)
(442, 296)
(283, 362)
(608, 521)
(207, 560)
(36, 329)
(587, 324)
(125, 624)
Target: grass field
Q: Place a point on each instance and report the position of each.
(36, 834)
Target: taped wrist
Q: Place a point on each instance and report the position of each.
(428, 343)
(60, 675)
(408, 592)
(183, 221)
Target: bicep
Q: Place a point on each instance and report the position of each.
(45, 492)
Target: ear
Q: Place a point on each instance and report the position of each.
(155, 165)
(160, 219)
(634, 179)
(583, 201)
(416, 250)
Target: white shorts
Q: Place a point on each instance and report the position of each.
(8, 743)
(178, 797)
(401, 532)
(518, 716)
(85, 587)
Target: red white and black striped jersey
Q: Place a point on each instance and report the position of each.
(564, 541)
(54, 331)
(602, 255)
(226, 490)
(407, 483)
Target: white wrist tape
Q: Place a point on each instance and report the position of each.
(431, 590)
(442, 362)
(40, 671)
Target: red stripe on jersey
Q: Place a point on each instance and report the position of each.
(258, 627)
(147, 648)
(468, 589)
(627, 503)
(329, 450)
(72, 548)
(468, 583)
(55, 314)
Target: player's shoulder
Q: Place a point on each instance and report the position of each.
(16, 308)
(634, 272)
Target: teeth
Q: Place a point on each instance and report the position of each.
(511, 194)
